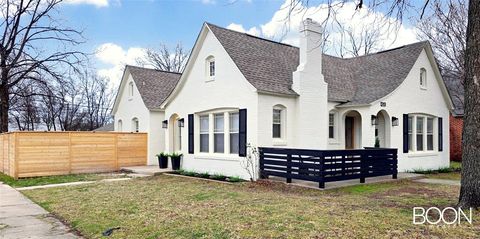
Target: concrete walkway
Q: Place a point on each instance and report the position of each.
(21, 218)
(439, 181)
(150, 170)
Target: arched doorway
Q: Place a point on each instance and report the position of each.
(353, 130)
(382, 129)
(174, 132)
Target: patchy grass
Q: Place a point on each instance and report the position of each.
(449, 176)
(36, 181)
(173, 207)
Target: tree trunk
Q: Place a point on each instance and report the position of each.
(470, 189)
(4, 107)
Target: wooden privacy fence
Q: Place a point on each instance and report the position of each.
(327, 165)
(30, 154)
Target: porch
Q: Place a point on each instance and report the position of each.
(332, 166)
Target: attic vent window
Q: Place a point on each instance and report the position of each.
(423, 78)
(210, 68)
(130, 89)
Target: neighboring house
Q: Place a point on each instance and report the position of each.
(238, 89)
(455, 87)
(107, 127)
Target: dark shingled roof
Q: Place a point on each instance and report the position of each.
(269, 65)
(154, 85)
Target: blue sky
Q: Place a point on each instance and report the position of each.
(118, 31)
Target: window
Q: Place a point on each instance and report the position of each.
(410, 133)
(204, 133)
(135, 125)
(218, 133)
(277, 123)
(423, 78)
(234, 129)
(331, 125)
(430, 134)
(119, 125)
(420, 132)
(210, 68)
(130, 89)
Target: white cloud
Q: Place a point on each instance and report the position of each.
(238, 27)
(208, 2)
(284, 27)
(114, 57)
(96, 3)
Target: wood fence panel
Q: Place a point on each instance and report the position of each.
(30, 154)
(42, 154)
(131, 149)
(93, 152)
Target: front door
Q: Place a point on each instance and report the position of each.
(349, 132)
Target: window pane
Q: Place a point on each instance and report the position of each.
(330, 132)
(218, 143)
(277, 116)
(219, 123)
(204, 143)
(276, 131)
(430, 125)
(204, 124)
(212, 68)
(234, 143)
(429, 133)
(429, 142)
(420, 131)
(234, 122)
(410, 133)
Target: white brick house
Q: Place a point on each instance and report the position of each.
(239, 89)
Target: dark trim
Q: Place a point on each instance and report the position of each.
(405, 133)
(242, 133)
(191, 135)
(440, 134)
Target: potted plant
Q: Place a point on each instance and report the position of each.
(162, 160)
(377, 142)
(176, 158)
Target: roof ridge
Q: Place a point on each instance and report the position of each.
(250, 35)
(387, 50)
(152, 69)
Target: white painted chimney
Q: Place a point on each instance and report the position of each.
(309, 84)
(310, 46)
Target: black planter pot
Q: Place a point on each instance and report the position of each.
(162, 161)
(176, 162)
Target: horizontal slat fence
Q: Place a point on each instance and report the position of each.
(327, 165)
(30, 154)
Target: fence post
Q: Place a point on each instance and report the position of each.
(395, 164)
(321, 180)
(289, 167)
(362, 167)
(261, 164)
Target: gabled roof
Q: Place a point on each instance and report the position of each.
(269, 65)
(154, 85)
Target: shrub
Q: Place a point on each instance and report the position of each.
(235, 179)
(176, 155)
(162, 154)
(218, 177)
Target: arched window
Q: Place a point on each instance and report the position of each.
(135, 125)
(278, 121)
(210, 68)
(119, 125)
(130, 89)
(423, 78)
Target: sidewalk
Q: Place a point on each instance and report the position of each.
(21, 218)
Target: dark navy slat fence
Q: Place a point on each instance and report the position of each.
(327, 165)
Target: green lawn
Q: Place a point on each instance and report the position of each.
(36, 181)
(174, 207)
(451, 173)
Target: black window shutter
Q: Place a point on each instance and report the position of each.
(440, 134)
(190, 134)
(405, 133)
(242, 133)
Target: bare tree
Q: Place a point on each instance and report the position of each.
(365, 39)
(445, 28)
(26, 27)
(98, 100)
(165, 59)
(470, 183)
